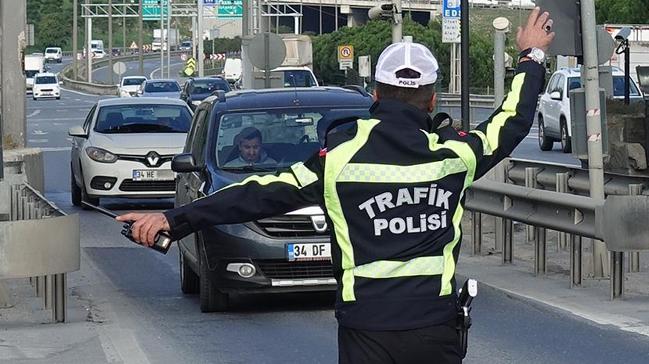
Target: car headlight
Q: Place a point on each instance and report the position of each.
(101, 155)
(124, 93)
(196, 103)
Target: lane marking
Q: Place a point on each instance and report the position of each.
(36, 112)
(39, 132)
(38, 140)
(55, 149)
(57, 119)
(158, 69)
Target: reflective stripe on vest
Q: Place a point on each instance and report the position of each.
(421, 266)
(304, 175)
(383, 173)
(464, 151)
(335, 162)
(508, 111)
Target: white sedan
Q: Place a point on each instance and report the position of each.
(124, 149)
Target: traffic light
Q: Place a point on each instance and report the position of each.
(566, 15)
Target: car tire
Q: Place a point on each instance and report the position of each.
(189, 281)
(75, 191)
(58, 98)
(566, 145)
(545, 143)
(34, 98)
(212, 300)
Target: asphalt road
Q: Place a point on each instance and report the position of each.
(142, 288)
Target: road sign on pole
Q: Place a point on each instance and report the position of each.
(345, 53)
(151, 9)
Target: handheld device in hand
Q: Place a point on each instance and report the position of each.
(162, 241)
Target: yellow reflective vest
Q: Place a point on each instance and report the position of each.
(392, 188)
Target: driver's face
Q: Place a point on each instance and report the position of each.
(249, 149)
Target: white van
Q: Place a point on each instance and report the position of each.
(232, 70)
(46, 85)
(53, 54)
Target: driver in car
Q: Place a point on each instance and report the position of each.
(251, 152)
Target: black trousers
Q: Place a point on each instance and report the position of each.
(438, 344)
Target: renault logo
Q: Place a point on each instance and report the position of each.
(153, 158)
(319, 223)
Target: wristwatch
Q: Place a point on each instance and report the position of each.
(535, 54)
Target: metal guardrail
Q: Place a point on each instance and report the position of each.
(475, 101)
(619, 220)
(99, 88)
(40, 242)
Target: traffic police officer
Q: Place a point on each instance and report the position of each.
(393, 188)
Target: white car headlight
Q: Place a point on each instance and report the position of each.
(196, 103)
(101, 155)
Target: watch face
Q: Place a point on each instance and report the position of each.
(538, 54)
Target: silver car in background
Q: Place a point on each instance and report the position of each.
(124, 149)
(160, 88)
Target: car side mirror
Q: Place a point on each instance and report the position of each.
(77, 131)
(139, 92)
(184, 163)
(555, 95)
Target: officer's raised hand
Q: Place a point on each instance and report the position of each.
(537, 33)
(146, 226)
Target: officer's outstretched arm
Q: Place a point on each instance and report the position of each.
(495, 139)
(254, 198)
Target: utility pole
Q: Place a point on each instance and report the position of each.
(464, 29)
(110, 42)
(141, 38)
(124, 30)
(75, 40)
(201, 53)
(168, 42)
(162, 38)
(12, 103)
(593, 123)
(397, 23)
(336, 14)
(501, 26)
(89, 53)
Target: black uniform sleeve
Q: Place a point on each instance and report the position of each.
(254, 198)
(495, 139)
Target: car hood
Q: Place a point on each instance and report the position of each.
(51, 86)
(139, 143)
(130, 88)
(199, 97)
(170, 95)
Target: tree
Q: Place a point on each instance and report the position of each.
(622, 11)
(373, 37)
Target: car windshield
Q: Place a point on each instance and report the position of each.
(186, 44)
(51, 50)
(161, 87)
(618, 86)
(263, 141)
(145, 118)
(45, 80)
(132, 81)
(31, 74)
(209, 86)
(298, 78)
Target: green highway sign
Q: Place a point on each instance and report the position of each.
(151, 9)
(229, 9)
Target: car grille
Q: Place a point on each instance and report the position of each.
(46, 90)
(290, 226)
(295, 270)
(128, 185)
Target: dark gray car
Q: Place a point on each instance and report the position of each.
(286, 253)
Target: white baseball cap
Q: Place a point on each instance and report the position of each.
(403, 55)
